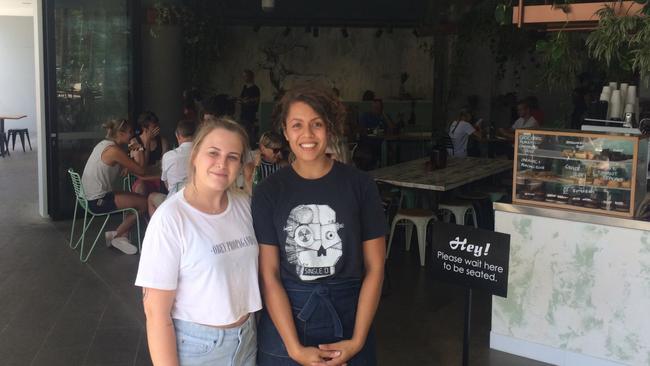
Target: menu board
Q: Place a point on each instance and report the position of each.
(582, 171)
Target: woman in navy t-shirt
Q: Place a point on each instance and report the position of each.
(321, 229)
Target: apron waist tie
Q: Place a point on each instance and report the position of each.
(321, 294)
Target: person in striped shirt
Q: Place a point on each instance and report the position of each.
(267, 160)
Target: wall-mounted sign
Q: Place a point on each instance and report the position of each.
(472, 258)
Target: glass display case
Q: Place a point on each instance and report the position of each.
(595, 172)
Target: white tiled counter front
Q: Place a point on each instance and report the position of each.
(579, 288)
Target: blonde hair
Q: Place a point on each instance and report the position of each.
(210, 124)
(271, 139)
(113, 126)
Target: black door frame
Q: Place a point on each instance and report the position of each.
(134, 13)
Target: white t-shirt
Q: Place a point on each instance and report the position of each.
(531, 122)
(174, 166)
(210, 260)
(459, 132)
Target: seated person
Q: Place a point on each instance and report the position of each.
(526, 120)
(102, 169)
(535, 110)
(368, 96)
(219, 106)
(148, 153)
(174, 164)
(374, 119)
(369, 150)
(266, 160)
(192, 104)
(459, 132)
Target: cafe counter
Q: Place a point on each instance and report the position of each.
(579, 287)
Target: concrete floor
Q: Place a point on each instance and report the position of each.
(56, 311)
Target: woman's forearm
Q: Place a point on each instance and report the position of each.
(279, 309)
(160, 327)
(140, 157)
(162, 341)
(145, 156)
(374, 256)
(368, 302)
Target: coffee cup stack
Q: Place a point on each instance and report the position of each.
(615, 105)
(623, 90)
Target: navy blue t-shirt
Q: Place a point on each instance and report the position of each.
(319, 224)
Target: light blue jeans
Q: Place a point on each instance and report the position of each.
(201, 345)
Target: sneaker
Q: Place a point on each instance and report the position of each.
(109, 235)
(124, 245)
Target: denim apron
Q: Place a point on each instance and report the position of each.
(324, 312)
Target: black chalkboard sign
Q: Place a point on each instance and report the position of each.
(473, 258)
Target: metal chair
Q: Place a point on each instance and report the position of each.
(352, 146)
(420, 218)
(127, 182)
(459, 210)
(82, 201)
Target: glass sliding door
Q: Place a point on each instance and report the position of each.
(89, 72)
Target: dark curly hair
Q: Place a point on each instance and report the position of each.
(321, 100)
(147, 118)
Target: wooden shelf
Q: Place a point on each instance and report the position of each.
(555, 181)
(570, 207)
(627, 161)
(578, 16)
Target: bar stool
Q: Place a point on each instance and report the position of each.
(414, 216)
(459, 209)
(11, 134)
(4, 145)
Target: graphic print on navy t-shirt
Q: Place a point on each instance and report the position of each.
(313, 243)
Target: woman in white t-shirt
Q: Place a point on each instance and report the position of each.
(459, 132)
(199, 265)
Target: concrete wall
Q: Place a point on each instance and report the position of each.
(162, 76)
(478, 77)
(363, 61)
(17, 85)
(354, 64)
(162, 72)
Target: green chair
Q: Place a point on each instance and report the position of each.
(127, 182)
(83, 202)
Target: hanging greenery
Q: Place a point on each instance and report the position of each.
(483, 24)
(561, 59)
(622, 41)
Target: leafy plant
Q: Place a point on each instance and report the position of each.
(561, 59)
(622, 40)
(501, 13)
(481, 24)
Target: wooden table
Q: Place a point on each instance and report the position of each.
(4, 142)
(459, 171)
(384, 140)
